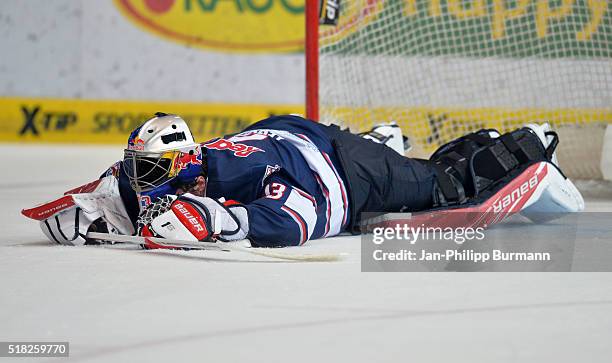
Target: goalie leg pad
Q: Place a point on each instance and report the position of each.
(478, 164)
(556, 196)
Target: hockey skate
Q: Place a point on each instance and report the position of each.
(389, 134)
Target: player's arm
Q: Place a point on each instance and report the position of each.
(284, 216)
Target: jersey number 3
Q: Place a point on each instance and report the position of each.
(275, 190)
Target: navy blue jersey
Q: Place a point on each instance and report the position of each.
(284, 170)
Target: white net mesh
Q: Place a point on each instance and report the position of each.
(441, 68)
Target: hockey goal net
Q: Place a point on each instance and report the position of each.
(441, 68)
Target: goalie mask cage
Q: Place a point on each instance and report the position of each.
(442, 68)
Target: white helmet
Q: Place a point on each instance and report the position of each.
(153, 148)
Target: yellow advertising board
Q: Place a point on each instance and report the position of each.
(110, 122)
(431, 127)
(228, 25)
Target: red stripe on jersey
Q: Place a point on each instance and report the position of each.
(299, 220)
(307, 196)
(326, 195)
(304, 137)
(344, 202)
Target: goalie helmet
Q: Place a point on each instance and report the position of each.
(162, 156)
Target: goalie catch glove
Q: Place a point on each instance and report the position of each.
(192, 218)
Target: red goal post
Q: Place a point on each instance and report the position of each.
(312, 59)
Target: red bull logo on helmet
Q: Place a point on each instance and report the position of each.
(136, 144)
(134, 141)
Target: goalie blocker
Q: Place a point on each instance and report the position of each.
(192, 218)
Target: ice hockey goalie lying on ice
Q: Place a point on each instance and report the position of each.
(286, 180)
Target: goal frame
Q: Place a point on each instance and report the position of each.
(586, 142)
(311, 50)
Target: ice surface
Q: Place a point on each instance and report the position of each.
(127, 305)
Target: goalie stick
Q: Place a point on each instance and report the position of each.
(213, 245)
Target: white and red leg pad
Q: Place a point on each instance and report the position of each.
(554, 196)
(540, 193)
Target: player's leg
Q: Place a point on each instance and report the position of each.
(379, 178)
(475, 168)
(469, 171)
